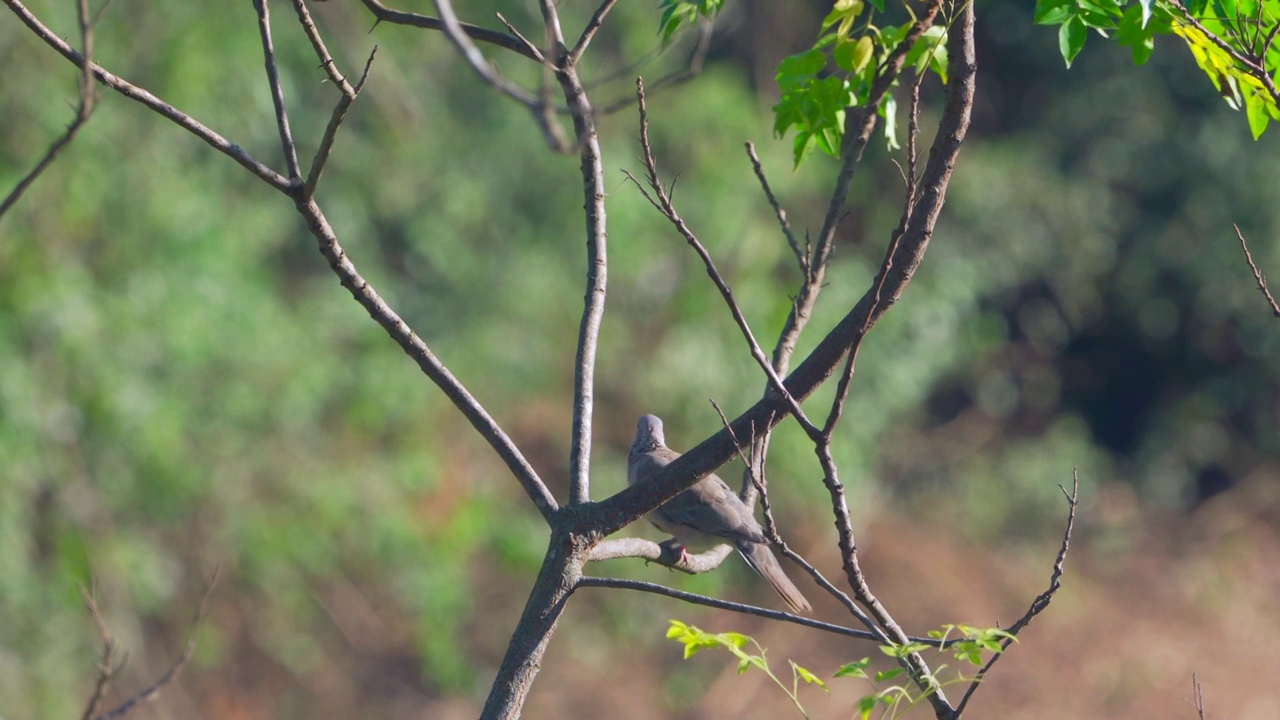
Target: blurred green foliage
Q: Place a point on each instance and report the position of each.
(182, 382)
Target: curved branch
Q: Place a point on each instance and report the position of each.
(664, 554)
(656, 589)
(426, 22)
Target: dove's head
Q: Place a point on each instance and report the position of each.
(648, 434)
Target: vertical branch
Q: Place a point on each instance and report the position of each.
(277, 92)
(592, 168)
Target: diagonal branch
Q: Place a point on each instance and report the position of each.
(133, 92)
(1258, 277)
(85, 108)
(661, 200)
(341, 265)
(430, 365)
(349, 94)
(479, 34)
(597, 20)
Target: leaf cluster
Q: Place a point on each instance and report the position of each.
(895, 700)
(1232, 41)
(815, 95)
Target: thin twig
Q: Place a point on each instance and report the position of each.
(479, 34)
(317, 44)
(692, 69)
(339, 114)
(1198, 693)
(107, 666)
(1255, 67)
(801, 257)
(642, 586)
(1043, 599)
(360, 289)
(458, 36)
(153, 692)
(277, 92)
(85, 108)
(589, 32)
(533, 49)
(133, 92)
(772, 535)
(1257, 274)
(661, 200)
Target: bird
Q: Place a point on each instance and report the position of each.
(707, 514)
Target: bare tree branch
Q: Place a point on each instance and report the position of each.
(85, 108)
(802, 257)
(615, 512)
(1198, 693)
(479, 34)
(597, 19)
(1257, 274)
(133, 92)
(107, 666)
(399, 330)
(665, 553)
(661, 200)
(153, 691)
(1043, 599)
(692, 69)
(345, 102)
(592, 168)
(277, 92)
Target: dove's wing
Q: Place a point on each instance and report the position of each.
(711, 508)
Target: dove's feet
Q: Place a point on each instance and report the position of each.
(674, 547)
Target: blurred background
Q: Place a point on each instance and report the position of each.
(183, 383)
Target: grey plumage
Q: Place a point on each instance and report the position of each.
(707, 514)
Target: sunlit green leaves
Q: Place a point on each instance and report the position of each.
(816, 96)
(676, 14)
(1227, 38)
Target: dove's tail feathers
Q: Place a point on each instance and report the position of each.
(761, 559)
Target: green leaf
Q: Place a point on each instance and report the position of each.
(1135, 32)
(852, 57)
(1054, 12)
(888, 674)
(800, 68)
(802, 147)
(1256, 110)
(1071, 37)
(807, 676)
(857, 668)
(889, 111)
(867, 705)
